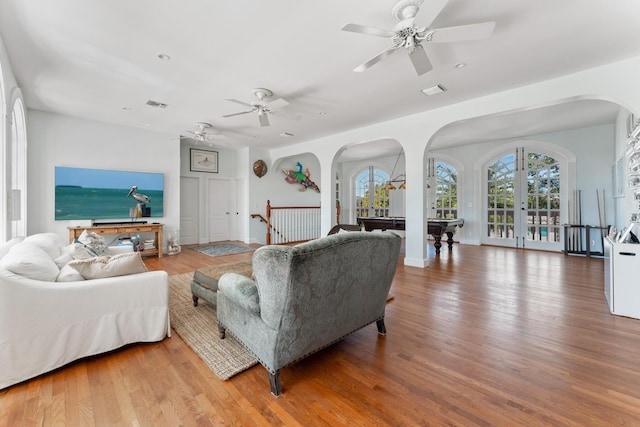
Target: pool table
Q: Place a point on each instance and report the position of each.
(436, 227)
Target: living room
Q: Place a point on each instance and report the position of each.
(53, 136)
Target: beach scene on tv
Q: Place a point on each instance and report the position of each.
(107, 194)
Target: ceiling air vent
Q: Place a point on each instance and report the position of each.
(156, 104)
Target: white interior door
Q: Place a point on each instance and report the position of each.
(523, 206)
(219, 210)
(239, 213)
(189, 209)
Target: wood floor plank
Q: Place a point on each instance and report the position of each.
(484, 336)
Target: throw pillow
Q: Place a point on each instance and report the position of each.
(68, 274)
(101, 267)
(94, 242)
(79, 251)
(29, 260)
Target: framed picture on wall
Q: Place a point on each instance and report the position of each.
(204, 161)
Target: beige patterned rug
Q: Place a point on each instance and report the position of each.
(198, 327)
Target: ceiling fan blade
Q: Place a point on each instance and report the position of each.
(362, 29)
(277, 103)
(216, 136)
(237, 114)
(264, 120)
(431, 9)
(420, 60)
(478, 31)
(379, 57)
(238, 102)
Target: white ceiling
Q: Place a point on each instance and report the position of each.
(99, 60)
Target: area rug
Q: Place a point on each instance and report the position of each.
(222, 249)
(198, 327)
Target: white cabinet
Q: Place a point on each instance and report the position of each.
(622, 277)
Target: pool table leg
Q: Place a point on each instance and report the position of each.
(450, 239)
(438, 242)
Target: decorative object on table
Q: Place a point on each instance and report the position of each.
(141, 209)
(221, 249)
(204, 161)
(198, 329)
(173, 243)
(260, 168)
(300, 177)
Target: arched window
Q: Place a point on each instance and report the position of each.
(372, 198)
(3, 158)
(18, 206)
(446, 197)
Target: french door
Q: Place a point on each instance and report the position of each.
(523, 206)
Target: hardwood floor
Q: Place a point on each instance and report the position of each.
(485, 336)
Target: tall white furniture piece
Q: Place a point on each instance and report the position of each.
(622, 277)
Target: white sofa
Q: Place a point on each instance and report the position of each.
(45, 323)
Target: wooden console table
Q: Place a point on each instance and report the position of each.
(75, 232)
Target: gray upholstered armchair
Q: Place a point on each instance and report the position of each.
(309, 296)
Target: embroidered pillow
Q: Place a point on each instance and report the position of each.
(101, 267)
(94, 242)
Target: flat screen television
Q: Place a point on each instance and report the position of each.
(107, 194)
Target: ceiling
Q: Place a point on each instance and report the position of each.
(99, 60)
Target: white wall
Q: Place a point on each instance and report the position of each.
(57, 140)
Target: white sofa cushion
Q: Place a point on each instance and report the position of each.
(29, 260)
(101, 267)
(69, 274)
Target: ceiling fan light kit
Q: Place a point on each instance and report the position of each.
(408, 35)
(201, 135)
(263, 108)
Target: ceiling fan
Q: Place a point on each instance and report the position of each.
(264, 108)
(408, 35)
(201, 134)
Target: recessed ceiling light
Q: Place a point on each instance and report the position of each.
(126, 108)
(434, 90)
(461, 65)
(322, 113)
(164, 56)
